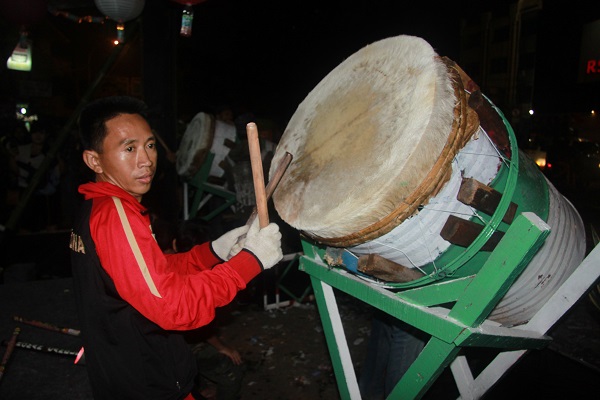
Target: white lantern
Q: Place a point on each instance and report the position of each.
(120, 10)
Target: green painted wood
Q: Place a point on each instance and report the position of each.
(440, 293)
(499, 337)
(200, 182)
(511, 256)
(450, 329)
(436, 356)
(430, 320)
(310, 252)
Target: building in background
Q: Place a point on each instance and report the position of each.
(539, 62)
(498, 50)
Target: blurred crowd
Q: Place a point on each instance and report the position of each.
(39, 181)
(36, 186)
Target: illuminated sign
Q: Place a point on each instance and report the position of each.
(589, 64)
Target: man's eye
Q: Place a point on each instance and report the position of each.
(151, 145)
(129, 149)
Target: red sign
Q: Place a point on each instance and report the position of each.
(593, 67)
(589, 65)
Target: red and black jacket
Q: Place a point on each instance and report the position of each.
(132, 298)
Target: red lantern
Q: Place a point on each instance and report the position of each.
(24, 12)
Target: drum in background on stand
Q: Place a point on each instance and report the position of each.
(204, 134)
(195, 145)
(383, 148)
(201, 160)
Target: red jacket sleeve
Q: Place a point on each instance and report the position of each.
(178, 292)
(206, 257)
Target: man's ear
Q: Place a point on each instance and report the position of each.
(90, 158)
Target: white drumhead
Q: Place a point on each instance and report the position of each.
(195, 144)
(365, 137)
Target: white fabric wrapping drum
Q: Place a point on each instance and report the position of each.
(417, 241)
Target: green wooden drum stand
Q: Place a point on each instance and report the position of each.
(463, 325)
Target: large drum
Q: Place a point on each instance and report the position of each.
(383, 147)
(204, 134)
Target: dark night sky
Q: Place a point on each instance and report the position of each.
(267, 55)
(558, 58)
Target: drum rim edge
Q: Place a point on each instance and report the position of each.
(464, 125)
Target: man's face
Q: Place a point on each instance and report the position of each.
(128, 157)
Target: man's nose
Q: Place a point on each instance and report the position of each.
(145, 159)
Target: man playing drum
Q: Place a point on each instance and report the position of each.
(131, 298)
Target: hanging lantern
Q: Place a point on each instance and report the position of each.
(22, 13)
(187, 16)
(187, 20)
(20, 58)
(120, 11)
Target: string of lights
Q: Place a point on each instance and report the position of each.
(75, 18)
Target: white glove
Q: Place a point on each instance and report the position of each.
(265, 244)
(237, 247)
(223, 246)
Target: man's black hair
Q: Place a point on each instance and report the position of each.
(93, 118)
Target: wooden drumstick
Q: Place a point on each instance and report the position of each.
(271, 186)
(273, 182)
(257, 174)
(46, 325)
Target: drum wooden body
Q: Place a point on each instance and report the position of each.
(381, 146)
